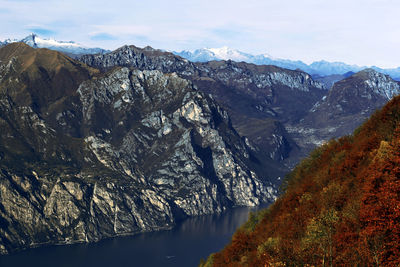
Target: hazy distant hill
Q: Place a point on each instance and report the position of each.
(321, 68)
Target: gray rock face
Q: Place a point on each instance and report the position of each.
(232, 73)
(380, 84)
(258, 98)
(242, 74)
(284, 113)
(36, 211)
(143, 59)
(126, 151)
(181, 138)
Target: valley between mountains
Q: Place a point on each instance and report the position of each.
(137, 139)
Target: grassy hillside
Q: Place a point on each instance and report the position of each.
(340, 206)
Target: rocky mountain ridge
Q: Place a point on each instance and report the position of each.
(277, 109)
(88, 155)
(318, 68)
(258, 98)
(346, 106)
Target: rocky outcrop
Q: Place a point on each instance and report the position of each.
(144, 59)
(112, 154)
(37, 211)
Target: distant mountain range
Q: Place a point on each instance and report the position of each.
(285, 113)
(70, 48)
(320, 68)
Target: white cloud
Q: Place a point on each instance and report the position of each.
(120, 29)
(354, 31)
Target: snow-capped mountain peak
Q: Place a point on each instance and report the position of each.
(209, 54)
(68, 47)
(35, 40)
(226, 53)
(320, 68)
(267, 56)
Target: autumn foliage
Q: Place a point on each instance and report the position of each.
(340, 207)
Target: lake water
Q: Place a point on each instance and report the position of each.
(183, 246)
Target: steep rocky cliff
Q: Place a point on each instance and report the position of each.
(259, 99)
(87, 155)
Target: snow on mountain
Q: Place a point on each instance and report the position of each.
(227, 53)
(329, 68)
(65, 47)
(5, 42)
(320, 68)
(209, 54)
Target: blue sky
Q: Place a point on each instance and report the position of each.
(363, 32)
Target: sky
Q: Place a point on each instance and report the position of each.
(362, 32)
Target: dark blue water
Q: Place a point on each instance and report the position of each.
(183, 246)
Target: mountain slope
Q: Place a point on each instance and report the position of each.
(340, 206)
(86, 155)
(259, 99)
(349, 103)
(284, 113)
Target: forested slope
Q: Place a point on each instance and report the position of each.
(340, 206)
